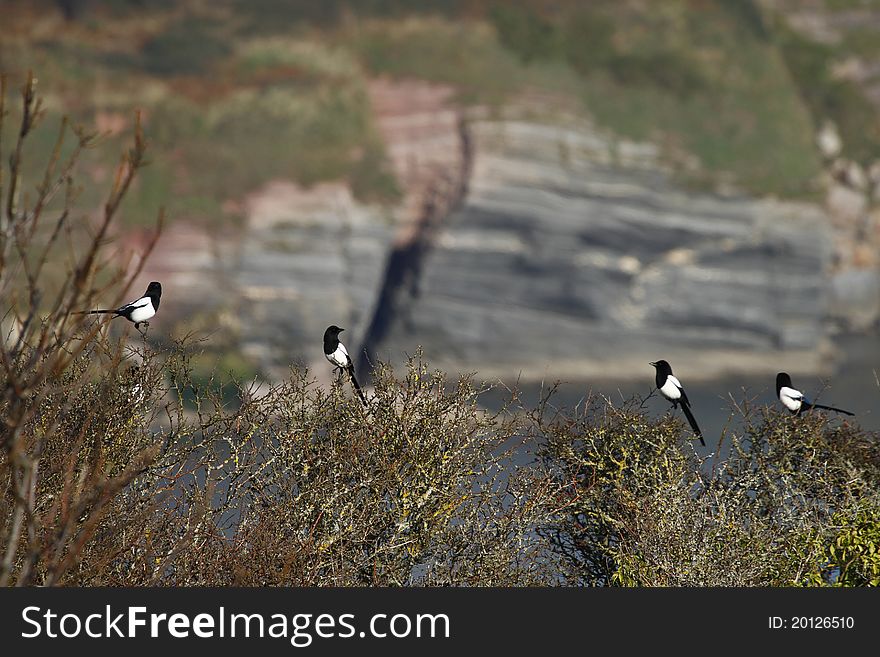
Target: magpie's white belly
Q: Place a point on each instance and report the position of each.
(791, 399)
(143, 313)
(338, 357)
(670, 390)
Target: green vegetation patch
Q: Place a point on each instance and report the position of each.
(704, 81)
(830, 97)
(718, 82)
(466, 55)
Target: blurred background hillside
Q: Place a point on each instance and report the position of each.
(535, 190)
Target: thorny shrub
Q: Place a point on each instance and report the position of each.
(120, 465)
(794, 501)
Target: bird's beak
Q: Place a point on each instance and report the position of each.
(654, 364)
(341, 330)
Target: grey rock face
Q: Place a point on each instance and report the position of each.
(561, 261)
(855, 298)
(309, 258)
(569, 255)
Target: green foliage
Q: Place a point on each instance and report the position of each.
(585, 39)
(851, 551)
(241, 141)
(224, 114)
(843, 5)
(463, 54)
(526, 33)
(371, 177)
(262, 16)
(189, 47)
(747, 17)
(708, 83)
(273, 17)
(828, 97)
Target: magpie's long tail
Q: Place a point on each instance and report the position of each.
(829, 408)
(356, 385)
(93, 312)
(690, 416)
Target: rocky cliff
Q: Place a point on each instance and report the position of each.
(522, 246)
(308, 259)
(574, 255)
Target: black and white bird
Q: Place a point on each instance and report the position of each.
(794, 400)
(671, 388)
(337, 354)
(138, 311)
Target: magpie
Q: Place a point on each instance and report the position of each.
(337, 354)
(794, 400)
(138, 311)
(671, 388)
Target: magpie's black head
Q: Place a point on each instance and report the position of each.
(782, 379)
(154, 291)
(663, 368)
(331, 338)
